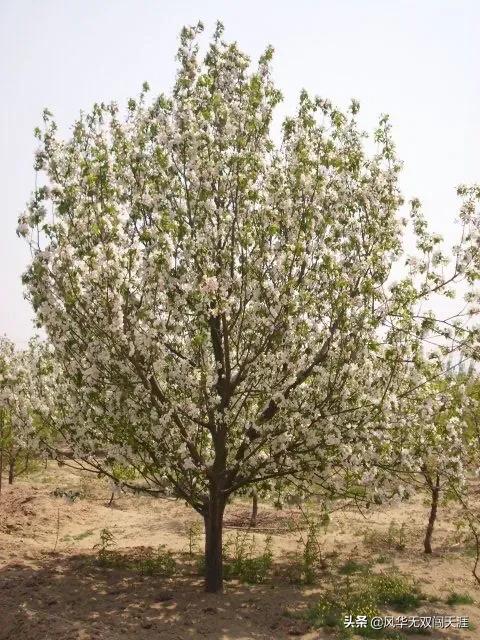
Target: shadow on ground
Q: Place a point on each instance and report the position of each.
(73, 598)
(70, 598)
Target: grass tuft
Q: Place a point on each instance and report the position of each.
(352, 566)
(459, 598)
(364, 595)
(143, 560)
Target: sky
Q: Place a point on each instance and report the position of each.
(415, 60)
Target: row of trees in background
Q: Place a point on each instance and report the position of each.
(220, 306)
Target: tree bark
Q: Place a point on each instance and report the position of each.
(1, 469)
(213, 542)
(253, 518)
(11, 471)
(435, 489)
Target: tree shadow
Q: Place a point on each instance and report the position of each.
(71, 597)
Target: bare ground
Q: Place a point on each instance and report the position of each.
(52, 588)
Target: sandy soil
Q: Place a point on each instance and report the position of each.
(51, 587)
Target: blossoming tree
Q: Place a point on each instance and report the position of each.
(436, 448)
(23, 401)
(219, 303)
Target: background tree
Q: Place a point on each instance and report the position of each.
(219, 304)
(436, 445)
(23, 396)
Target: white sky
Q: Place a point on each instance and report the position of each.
(418, 61)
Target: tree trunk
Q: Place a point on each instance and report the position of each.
(213, 542)
(11, 471)
(1, 469)
(435, 488)
(253, 518)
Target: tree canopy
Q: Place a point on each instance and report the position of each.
(222, 303)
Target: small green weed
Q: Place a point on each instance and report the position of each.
(310, 560)
(107, 542)
(394, 591)
(152, 562)
(364, 595)
(395, 538)
(459, 598)
(193, 532)
(69, 495)
(332, 608)
(143, 560)
(352, 566)
(242, 561)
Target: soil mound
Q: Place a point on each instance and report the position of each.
(268, 521)
(17, 509)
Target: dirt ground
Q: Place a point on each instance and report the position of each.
(52, 588)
